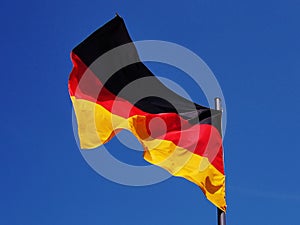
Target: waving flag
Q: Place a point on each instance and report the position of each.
(112, 90)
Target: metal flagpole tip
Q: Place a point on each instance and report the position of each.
(218, 104)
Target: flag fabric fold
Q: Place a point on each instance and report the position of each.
(111, 90)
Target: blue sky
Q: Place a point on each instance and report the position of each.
(252, 48)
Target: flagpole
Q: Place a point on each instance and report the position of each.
(220, 214)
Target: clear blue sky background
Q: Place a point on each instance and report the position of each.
(252, 47)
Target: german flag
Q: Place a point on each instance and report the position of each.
(111, 90)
